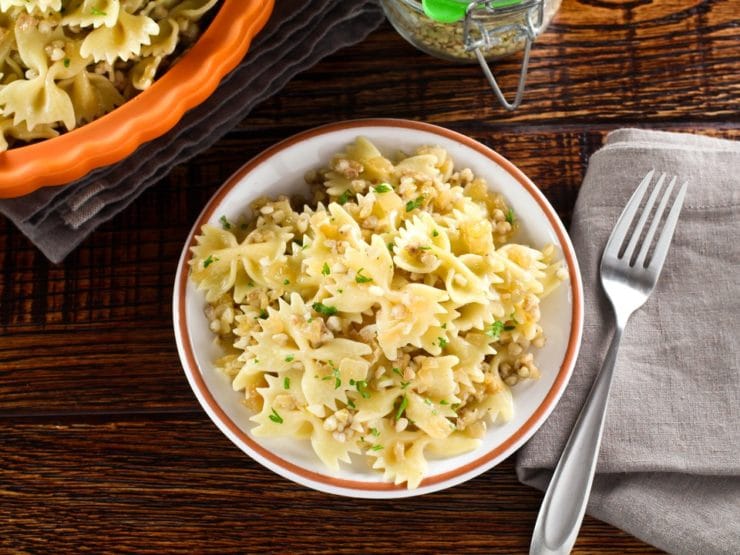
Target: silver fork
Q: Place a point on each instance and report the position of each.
(628, 279)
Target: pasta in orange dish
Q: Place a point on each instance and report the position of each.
(64, 63)
(389, 318)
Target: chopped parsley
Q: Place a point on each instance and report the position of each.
(375, 432)
(351, 404)
(402, 406)
(397, 371)
(361, 386)
(404, 385)
(376, 447)
(425, 248)
(286, 383)
(289, 358)
(263, 314)
(325, 269)
(336, 374)
(66, 62)
(97, 11)
(390, 246)
(444, 402)
(495, 329)
(442, 342)
(326, 310)
(359, 278)
(435, 233)
(455, 406)
(383, 188)
(413, 204)
(226, 224)
(210, 260)
(344, 197)
(510, 216)
(286, 282)
(275, 417)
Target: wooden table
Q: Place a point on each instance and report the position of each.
(104, 447)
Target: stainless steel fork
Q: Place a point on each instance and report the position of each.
(628, 277)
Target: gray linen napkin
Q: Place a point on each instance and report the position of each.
(669, 467)
(298, 35)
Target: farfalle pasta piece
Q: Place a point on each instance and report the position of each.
(37, 100)
(121, 41)
(93, 13)
(391, 319)
(92, 95)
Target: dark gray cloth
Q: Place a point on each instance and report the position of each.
(298, 35)
(669, 467)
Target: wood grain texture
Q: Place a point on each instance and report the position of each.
(177, 485)
(104, 448)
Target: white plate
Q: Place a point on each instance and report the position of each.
(280, 170)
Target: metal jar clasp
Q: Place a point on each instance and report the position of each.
(479, 37)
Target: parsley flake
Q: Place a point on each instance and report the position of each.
(361, 386)
(326, 310)
(351, 404)
(263, 314)
(226, 224)
(97, 11)
(383, 188)
(376, 447)
(286, 282)
(510, 216)
(495, 329)
(444, 402)
(325, 269)
(66, 62)
(286, 383)
(289, 358)
(275, 417)
(210, 260)
(413, 204)
(402, 406)
(442, 342)
(390, 246)
(344, 197)
(359, 278)
(435, 233)
(396, 371)
(375, 432)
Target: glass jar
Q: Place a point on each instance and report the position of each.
(488, 31)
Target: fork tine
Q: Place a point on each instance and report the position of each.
(664, 241)
(625, 219)
(654, 224)
(637, 232)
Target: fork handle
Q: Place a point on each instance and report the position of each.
(565, 501)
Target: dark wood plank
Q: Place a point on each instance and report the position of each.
(642, 63)
(178, 485)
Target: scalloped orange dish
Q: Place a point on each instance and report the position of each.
(143, 118)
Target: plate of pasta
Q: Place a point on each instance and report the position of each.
(378, 308)
(83, 83)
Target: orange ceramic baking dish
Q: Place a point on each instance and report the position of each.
(145, 117)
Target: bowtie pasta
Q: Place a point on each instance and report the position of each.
(391, 320)
(64, 63)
